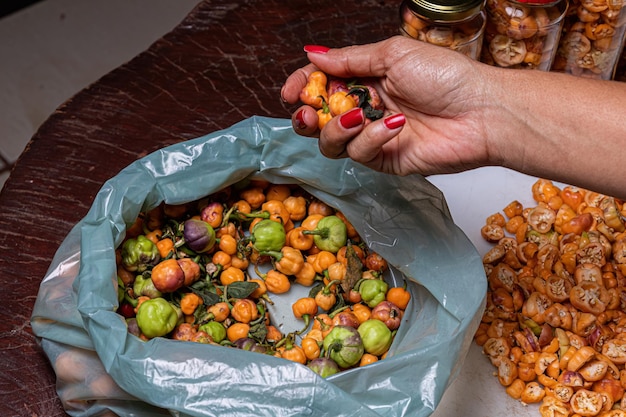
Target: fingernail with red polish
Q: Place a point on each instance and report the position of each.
(395, 121)
(351, 119)
(316, 49)
(300, 120)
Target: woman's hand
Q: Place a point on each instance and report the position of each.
(434, 122)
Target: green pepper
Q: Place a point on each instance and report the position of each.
(215, 329)
(373, 291)
(344, 345)
(156, 317)
(199, 235)
(139, 253)
(330, 234)
(376, 336)
(143, 286)
(268, 235)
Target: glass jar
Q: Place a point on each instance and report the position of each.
(593, 38)
(522, 34)
(455, 24)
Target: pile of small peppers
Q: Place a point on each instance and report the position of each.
(193, 272)
(332, 96)
(554, 326)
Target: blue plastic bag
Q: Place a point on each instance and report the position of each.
(404, 219)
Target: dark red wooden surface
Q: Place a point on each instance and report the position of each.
(225, 62)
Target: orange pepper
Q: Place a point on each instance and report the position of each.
(168, 276)
(220, 311)
(230, 275)
(277, 192)
(399, 296)
(296, 206)
(362, 312)
(154, 235)
(326, 298)
(239, 262)
(319, 207)
(228, 244)
(213, 214)
(154, 218)
(290, 261)
(277, 211)
(367, 359)
(242, 206)
(221, 258)
(324, 323)
(351, 231)
(237, 331)
(253, 196)
(228, 229)
(336, 271)
(273, 334)
(323, 116)
(191, 270)
(305, 306)
(298, 240)
(165, 247)
(277, 282)
(323, 260)
(311, 348)
(314, 92)
(310, 222)
(293, 353)
(341, 254)
(244, 310)
(306, 276)
(190, 302)
(340, 102)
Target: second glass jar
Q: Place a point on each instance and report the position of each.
(522, 34)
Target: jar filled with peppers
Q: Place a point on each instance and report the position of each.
(458, 25)
(593, 38)
(523, 34)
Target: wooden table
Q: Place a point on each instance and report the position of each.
(225, 62)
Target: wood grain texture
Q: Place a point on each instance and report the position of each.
(225, 62)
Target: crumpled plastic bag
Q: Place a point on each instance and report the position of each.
(101, 368)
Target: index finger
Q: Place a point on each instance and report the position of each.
(353, 61)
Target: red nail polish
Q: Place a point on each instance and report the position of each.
(316, 49)
(351, 119)
(300, 120)
(395, 121)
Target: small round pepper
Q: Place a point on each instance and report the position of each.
(376, 336)
(314, 92)
(373, 291)
(199, 235)
(215, 329)
(156, 317)
(330, 234)
(344, 345)
(139, 253)
(268, 235)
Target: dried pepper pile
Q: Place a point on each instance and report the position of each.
(555, 321)
(206, 271)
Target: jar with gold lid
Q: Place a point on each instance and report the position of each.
(454, 24)
(523, 34)
(593, 38)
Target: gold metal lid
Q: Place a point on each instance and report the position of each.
(446, 10)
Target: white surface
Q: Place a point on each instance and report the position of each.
(473, 196)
